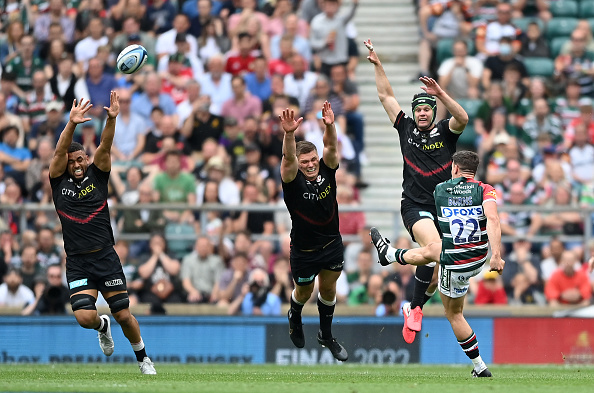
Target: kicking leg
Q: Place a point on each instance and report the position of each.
(299, 297)
(464, 334)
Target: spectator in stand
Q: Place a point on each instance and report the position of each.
(160, 16)
(460, 75)
(56, 50)
(65, 85)
(176, 78)
(9, 88)
(216, 84)
(296, 29)
(490, 290)
(184, 109)
(534, 44)
(43, 156)
(200, 271)
(100, 85)
(253, 221)
(258, 82)
(143, 221)
(350, 222)
(569, 223)
(552, 260)
(191, 60)
(32, 108)
(9, 46)
(281, 65)
(237, 22)
(15, 159)
(200, 126)
(567, 105)
(154, 146)
(13, 293)
(495, 64)
(488, 38)
(322, 92)
(521, 261)
(257, 297)
(281, 276)
(9, 119)
(130, 131)
(583, 26)
(581, 157)
(175, 186)
(537, 88)
(301, 82)
(586, 118)
(51, 127)
(48, 252)
(55, 296)
(24, 65)
(133, 281)
(166, 42)
(231, 282)
(152, 97)
(131, 31)
(513, 88)
(213, 39)
(539, 121)
(568, 285)
(494, 100)
(160, 273)
(514, 172)
(232, 142)
(537, 8)
(522, 223)
(328, 35)
(359, 278)
(242, 104)
(56, 14)
(31, 272)
(200, 13)
(217, 171)
(279, 92)
(577, 64)
(241, 62)
(86, 48)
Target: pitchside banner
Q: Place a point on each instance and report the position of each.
(191, 339)
(544, 340)
(367, 340)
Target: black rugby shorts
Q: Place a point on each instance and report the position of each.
(306, 265)
(99, 270)
(412, 212)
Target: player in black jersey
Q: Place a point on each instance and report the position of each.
(427, 148)
(79, 191)
(309, 188)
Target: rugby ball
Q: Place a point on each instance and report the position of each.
(131, 59)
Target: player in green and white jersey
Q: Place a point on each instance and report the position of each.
(468, 219)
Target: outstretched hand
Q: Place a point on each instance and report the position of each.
(114, 105)
(372, 55)
(327, 113)
(288, 121)
(431, 86)
(78, 111)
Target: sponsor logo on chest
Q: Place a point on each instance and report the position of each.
(80, 193)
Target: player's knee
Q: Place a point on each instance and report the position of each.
(118, 302)
(83, 302)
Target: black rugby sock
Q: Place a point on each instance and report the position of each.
(102, 326)
(140, 355)
(423, 277)
(295, 311)
(326, 315)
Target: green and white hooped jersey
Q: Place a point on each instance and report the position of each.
(462, 221)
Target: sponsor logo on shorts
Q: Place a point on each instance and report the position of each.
(426, 214)
(337, 266)
(78, 283)
(113, 283)
(306, 279)
(460, 291)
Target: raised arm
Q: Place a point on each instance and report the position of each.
(289, 164)
(384, 90)
(459, 117)
(494, 234)
(77, 116)
(103, 154)
(330, 138)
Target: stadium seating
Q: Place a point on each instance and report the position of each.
(522, 23)
(564, 8)
(468, 137)
(560, 27)
(179, 247)
(539, 66)
(587, 9)
(556, 44)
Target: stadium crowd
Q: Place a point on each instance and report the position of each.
(199, 124)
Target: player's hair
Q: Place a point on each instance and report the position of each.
(75, 146)
(468, 161)
(304, 147)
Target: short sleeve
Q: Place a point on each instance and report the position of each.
(489, 193)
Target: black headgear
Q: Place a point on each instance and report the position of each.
(424, 99)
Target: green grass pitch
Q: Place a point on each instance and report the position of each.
(292, 379)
